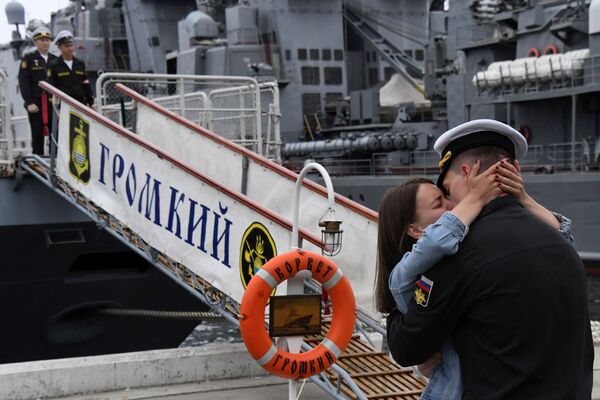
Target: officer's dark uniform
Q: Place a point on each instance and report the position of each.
(73, 82)
(513, 299)
(33, 69)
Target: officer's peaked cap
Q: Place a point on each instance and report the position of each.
(41, 33)
(477, 133)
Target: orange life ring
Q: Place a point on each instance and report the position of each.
(551, 49)
(533, 52)
(252, 315)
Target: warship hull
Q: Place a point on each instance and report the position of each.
(59, 270)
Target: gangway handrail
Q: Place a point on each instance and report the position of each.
(264, 162)
(265, 212)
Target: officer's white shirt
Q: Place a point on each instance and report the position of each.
(45, 57)
(69, 63)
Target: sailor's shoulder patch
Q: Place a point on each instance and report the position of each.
(423, 288)
(24, 64)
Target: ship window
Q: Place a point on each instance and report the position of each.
(153, 41)
(338, 54)
(387, 73)
(419, 55)
(326, 54)
(374, 56)
(301, 54)
(368, 56)
(311, 103)
(333, 76)
(373, 76)
(314, 54)
(408, 53)
(288, 55)
(310, 76)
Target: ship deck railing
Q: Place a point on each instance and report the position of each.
(247, 111)
(550, 158)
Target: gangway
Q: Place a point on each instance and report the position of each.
(124, 183)
(401, 63)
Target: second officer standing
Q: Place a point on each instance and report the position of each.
(67, 73)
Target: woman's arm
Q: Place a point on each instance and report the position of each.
(439, 239)
(510, 180)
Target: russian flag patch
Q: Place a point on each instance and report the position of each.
(423, 289)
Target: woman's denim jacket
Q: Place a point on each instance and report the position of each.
(439, 240)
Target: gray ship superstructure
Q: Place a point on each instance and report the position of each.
(366, 86)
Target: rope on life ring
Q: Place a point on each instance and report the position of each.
(533, 52)
(551, 49)
(252, 315)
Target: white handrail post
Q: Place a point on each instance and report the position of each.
(295, 285)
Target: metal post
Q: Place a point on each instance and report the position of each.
(508, 116)
(573, 128)
(181, 96)
(123, 115)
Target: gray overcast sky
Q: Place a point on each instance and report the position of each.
(33, 9)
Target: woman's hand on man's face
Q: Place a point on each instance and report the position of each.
(509, 179)
(483, 186)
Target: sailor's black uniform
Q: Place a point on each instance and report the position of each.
(73, 82)
(514, 301)
(33, 69)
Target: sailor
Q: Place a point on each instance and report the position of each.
(68, 73)
(513, 298)
(33, 69)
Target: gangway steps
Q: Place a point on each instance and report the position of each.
(374, 372)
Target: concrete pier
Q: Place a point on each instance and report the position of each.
(223, 371)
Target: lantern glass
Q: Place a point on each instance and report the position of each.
(331, 237)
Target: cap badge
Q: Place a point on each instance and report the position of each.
(445, 159)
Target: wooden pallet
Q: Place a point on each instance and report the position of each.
(374, 372)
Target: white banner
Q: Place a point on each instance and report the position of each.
(271, 190)
(217, 237)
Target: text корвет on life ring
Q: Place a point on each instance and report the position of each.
(252, 315)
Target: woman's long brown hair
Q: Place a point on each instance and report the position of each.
(396, 213)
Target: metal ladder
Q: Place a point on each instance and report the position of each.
(401, 63)
(361, 372)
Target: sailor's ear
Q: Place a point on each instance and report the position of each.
(414, 231)
(465, 169)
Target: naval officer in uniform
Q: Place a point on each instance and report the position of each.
(513, 298)
(33, 69)
(68, 73)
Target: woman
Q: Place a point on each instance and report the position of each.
(418, 226)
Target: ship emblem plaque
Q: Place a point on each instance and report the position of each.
(256, 249)
(79, 161)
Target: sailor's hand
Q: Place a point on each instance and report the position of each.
(427, 367)
(509, 179)
(32, 108)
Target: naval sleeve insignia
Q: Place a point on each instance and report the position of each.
(423, 289)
